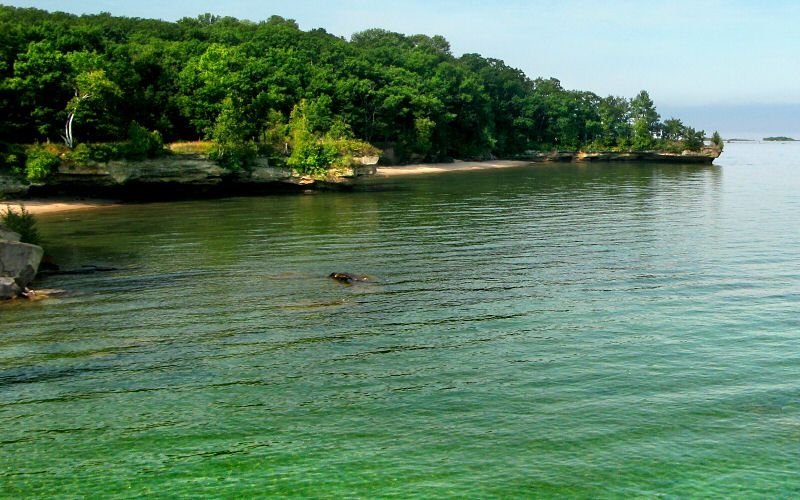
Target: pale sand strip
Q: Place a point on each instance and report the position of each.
(437, 168)
(45, 206)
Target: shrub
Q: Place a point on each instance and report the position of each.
(693, 139)
(12, 158)
(234, 156)
(22, 222)
(595, 146)
(716, 140)
(313, 158)
(84, 153)
(80, 154)
(143, 143)
(675, 147)
(40, 163)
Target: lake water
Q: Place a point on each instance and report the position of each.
(586, 330)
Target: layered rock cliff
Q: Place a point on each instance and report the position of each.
(173, 175)
(704, 156)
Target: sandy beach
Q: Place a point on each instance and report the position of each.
(56, 205)
(436, 168)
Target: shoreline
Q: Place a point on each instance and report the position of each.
(455, 166)
(42, 206)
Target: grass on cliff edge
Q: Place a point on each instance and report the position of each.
(192, 147)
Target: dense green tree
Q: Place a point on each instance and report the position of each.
(42, 82)
(615, 128)
(239, 82)
(673, 129)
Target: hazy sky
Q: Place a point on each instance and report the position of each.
(685, 52)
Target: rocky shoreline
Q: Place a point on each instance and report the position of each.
(179, 176)
(705, 156)
(174, 177)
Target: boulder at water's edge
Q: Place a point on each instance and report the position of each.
(19, 263)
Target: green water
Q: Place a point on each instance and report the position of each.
(609, 330)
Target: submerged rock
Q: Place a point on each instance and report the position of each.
(349, 278)
(51, 269)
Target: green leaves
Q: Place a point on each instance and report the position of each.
(42, 84)
(21, 222)
(40, 163)
(237, 82)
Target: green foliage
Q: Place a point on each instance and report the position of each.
(642, 136)
(22, 222)
(39, 88)
(673, 130)
(693, 139)
(143, 143)
(313, 157)
(233, 150)
(84, 153)
(424, 128)
(309, 156)
(12, 158)
(676, 147)
(644, 111)
(235, 156)
(96, 96)
(717, 141)
(40, 163)
(236, 84)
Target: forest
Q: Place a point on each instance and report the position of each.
(95, 87)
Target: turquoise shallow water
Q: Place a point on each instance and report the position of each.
(597, 330)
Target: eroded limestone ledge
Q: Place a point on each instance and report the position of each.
(706, 155)
(194, 173)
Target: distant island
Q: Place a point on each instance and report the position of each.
(779, 139)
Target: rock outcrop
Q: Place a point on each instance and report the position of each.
(12, 186)
(19, 263)
(174, 174)
(706, 155)
(183, 171)
(8, 235)
(169, 176)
